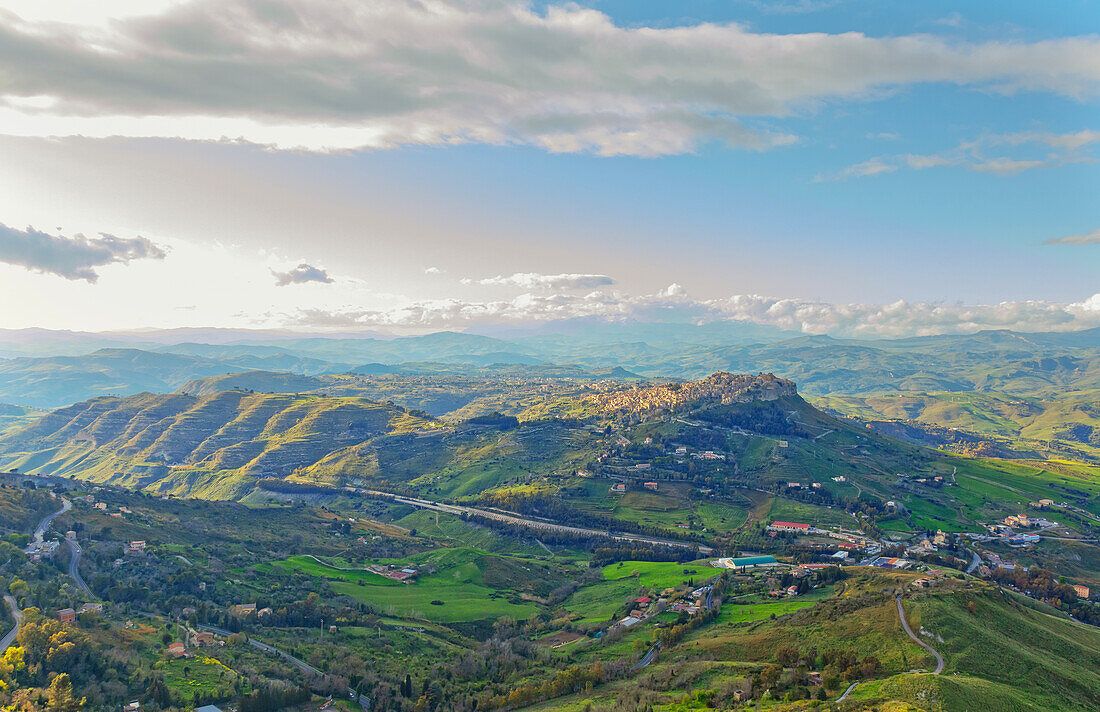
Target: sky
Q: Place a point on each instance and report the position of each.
(829, 166)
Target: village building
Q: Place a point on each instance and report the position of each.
(66, 615)
(1081, 591)
(652, 486)
(241, 610)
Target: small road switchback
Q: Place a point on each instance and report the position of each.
(918, 641)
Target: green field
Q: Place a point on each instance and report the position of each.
(659, 575)
(756, 608)
(788, 510)
(203, 675)
(469, 584)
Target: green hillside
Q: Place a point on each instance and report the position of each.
(216, 446)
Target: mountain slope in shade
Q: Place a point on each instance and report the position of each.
(60, 380)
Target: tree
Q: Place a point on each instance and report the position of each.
(59, 695)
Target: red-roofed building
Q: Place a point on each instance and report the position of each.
(789, 527)
(644, 600)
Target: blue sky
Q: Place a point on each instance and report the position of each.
(827, 175)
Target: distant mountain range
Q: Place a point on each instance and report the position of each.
(917, 381)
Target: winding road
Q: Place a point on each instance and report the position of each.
(40, 530)
(74, 567)
(39, 535)
(918, 641)
(8, 639)
(847, 692)
(975, 562)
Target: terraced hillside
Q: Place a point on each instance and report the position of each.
(218, 444)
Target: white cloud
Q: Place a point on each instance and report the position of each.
(1043, 150)
(532, 280)
(432, 270)
(1088, 238)
(300, 275)
(75, 257)
(343, 74)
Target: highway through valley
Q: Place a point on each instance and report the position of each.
(517, 520)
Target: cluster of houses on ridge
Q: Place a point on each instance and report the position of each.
(645, 607)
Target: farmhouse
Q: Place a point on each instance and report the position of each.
(241, 610)
(650, 486)
(136, 547)
(66, 615)
(618, 488)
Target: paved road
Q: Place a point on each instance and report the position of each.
(918, 641)
(40, 530)
(974, 563)
(8, 639)
(650, 655)
(847, 692)
(301, 664)
(74, 567)
(533, 523)
(39, 534)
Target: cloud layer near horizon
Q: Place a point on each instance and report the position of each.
(899, 319)
(73, 257)
(341, 74)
